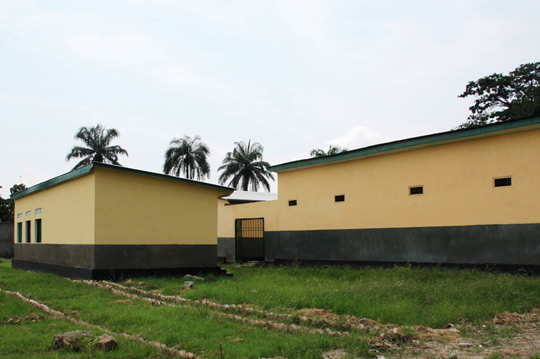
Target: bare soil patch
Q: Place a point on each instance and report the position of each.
(508, 335)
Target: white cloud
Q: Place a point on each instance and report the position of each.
(358, 136)
(117, 50)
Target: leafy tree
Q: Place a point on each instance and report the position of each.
(7, 206)
(187, 155)
(500, 98)
(98, 141)
(332, 150)
(245, 167)
(4, 210)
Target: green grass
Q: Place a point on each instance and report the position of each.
(197, 330)
(31, 337)
(401, 295)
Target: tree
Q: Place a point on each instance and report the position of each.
(98, 141)
(501, 98)
(245, 167)
(7, 206)
(332, 150)
(4, 209)
(187, 155)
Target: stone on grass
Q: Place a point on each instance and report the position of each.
(106, 342)
(70, 340)
(188, 284)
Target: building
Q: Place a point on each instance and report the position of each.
(464, 197)
(107, 221)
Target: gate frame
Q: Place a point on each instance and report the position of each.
(236, 221)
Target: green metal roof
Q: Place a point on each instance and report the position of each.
(88, 169)
(413, 143)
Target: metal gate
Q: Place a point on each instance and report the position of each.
(249, 238)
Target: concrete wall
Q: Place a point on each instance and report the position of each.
(466, 245)
(6, 238)
(114, 220)
(66, 212)
(139, 209)
(460, 218)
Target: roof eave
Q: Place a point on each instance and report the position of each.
(407, 144)
(88, 169)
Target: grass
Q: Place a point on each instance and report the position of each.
(401, 295)
(31, 336)
(197, 330)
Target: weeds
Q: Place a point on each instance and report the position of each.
(292, 296)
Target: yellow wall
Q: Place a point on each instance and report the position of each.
(67, 212)
(457, 180)
(138, 209)
(228, 213)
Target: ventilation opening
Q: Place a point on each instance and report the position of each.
(416, 190)
(292, 203)
(503, 182)
(340, 198)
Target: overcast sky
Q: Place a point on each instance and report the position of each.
(292, 75)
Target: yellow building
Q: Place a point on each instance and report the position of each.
(105, 220)
(460, 197)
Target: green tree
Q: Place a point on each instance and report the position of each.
(4, 209)
(245, 167)
(500, 98)
(98, 141)
(7, 206)
(189, 156)
(332, 150)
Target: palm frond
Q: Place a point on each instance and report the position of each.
(97, 139)
(245, 168)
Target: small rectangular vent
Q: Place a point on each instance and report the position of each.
(503, 182)
(416, 190)
(340, 198)
(292, 203)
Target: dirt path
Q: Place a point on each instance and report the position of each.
(508, 335)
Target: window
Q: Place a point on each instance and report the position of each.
(38, 230)
(416, 190)
(503, 182)
(28, 228)
(292, 203)
(28, 213)
(37, 211)
(340, 198)
(19, 215)
(19, 232)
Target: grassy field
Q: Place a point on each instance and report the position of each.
(402, 296)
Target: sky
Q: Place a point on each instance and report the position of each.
(293, 75)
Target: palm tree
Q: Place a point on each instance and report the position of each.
(187, 155)
(332, 150)
(98, 140)
(246, 167)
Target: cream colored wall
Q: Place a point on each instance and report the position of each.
(225, 219)
(139, 209)
(228, 213)
(67, 212)
(457, 180)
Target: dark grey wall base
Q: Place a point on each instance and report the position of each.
(226, 249)
(467, 245)
(106, 261)
(80, 256)
(6, 239)
(111, 274)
